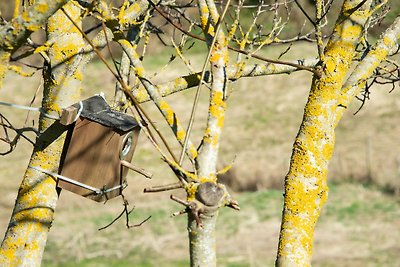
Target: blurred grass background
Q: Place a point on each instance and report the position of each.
(359, 224)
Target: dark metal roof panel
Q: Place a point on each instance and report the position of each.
(96, 109)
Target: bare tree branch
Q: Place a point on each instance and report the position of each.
(156, 97)
(364, 70)
(15, 33)
(233, 73)
(250, 54)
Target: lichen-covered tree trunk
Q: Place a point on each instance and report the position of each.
(306, 182)
(4, 61)
(27, 232)
(203, 239)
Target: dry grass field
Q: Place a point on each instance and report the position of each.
(359, 225)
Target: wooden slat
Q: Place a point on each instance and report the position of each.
(92, 158)
(68, 115)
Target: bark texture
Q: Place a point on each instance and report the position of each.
(15, 33)
(209, 194)
(306, 187)
(203, 243)
(27, 232)
(365, 69)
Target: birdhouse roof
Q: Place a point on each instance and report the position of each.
(96, 109)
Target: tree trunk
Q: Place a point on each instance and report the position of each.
(210, 195)
(4, 61)
(27, 232)
(202, 240)
(306, 187)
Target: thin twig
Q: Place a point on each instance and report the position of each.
(180, 201)
(197, 96)
(123, 84)
(126, 213)
(6, 124)
(318, 30)
(305, 13)
(161, 188)
(233, 48)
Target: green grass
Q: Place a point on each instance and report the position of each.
(352, 204)
(106, 262)
(267, 204)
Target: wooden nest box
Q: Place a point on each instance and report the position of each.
(98, 149)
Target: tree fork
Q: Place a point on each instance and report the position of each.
(202, 219)
(203, 240)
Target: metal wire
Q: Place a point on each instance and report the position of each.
(11, 105)
(88, 187)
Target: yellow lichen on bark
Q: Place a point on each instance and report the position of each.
(4, 62)
(204, 14)
(305, 184)
(366, 67)
(202, 241)
(172, 121)
(215, 121)
(157, 98)
(217, 108)
(191, 189)
(26, 236)
(127, 12)
(208, 179)
(141, 95)
(218, 60)
(15, 32)
(42, 7)
(168, 112)
(17, 3)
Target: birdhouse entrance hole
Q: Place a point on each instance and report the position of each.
(98, 150)
(127, 146)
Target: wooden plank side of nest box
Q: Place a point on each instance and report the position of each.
(93, 159)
